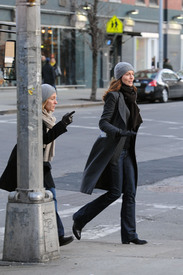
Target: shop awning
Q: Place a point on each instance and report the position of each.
(132, 33)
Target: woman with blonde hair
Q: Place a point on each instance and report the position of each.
(51, 131)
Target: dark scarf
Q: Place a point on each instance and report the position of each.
(130, 97)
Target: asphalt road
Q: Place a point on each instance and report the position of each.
(159, 145)
(159, 206)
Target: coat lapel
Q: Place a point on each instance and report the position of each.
(123, 109)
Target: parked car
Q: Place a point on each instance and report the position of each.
(158, 84)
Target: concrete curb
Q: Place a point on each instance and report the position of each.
(81, 105)
(8, 112)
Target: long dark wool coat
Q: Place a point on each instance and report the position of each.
(8, 180)
(107, 149)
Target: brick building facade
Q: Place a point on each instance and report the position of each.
(64, 36)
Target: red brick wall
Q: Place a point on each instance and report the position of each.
(129, 2)
(171, 4)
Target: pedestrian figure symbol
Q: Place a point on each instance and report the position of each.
(114, 25)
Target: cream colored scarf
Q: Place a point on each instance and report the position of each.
(49, 121)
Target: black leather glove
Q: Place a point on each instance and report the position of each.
(126, 133)
(67, 118)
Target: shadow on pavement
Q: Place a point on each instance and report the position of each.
(149, 172)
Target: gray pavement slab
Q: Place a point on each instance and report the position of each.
(105, 256)
(87, 258)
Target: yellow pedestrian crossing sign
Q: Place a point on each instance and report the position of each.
(114, 25)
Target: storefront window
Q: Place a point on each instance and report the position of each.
(4, 36)
(146, 52)
(67, 47)
(80, 54)
(140, 54)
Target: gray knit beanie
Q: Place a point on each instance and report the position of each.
(47, 91)
(122, 68)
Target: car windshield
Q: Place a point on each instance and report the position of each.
(145, 74)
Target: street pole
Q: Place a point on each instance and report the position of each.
(30, 230)
(160, 34)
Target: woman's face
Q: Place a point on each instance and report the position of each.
(128, 78)
(51, 103)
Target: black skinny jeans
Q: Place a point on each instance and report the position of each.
(122, 179)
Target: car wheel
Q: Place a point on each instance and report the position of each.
(164, 96)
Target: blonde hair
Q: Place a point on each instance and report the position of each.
(44, 104)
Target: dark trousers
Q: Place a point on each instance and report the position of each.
(122, 180)
(59, 222)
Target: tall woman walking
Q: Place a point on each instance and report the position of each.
(112, 164)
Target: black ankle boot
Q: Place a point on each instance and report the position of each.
(65, 240)
(76, 231)
(135, 241)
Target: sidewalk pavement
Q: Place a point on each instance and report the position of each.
(159, 220)
(159, 216)
(67, 98)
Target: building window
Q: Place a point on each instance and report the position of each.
(146, 53)
(153, 2)
(67, 46)
(115, 1)
(4, 36)
(140, 1)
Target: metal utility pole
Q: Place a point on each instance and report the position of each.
(31, 230)
(160, 34)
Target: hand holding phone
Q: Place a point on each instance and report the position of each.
(67, 118)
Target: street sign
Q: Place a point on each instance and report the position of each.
(114, 25)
